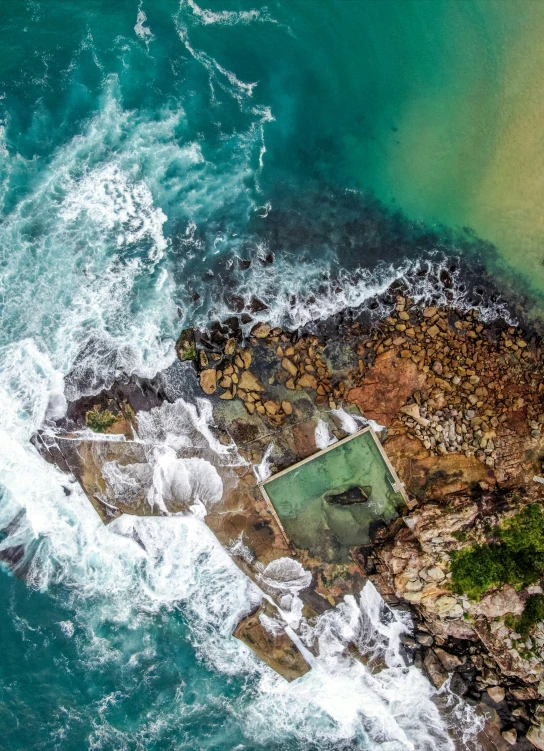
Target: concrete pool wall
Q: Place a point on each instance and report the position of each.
(328, 502)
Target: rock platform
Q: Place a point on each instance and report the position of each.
(461, 403)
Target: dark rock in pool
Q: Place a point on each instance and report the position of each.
(348, 497)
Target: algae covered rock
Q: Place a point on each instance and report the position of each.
(186, 345)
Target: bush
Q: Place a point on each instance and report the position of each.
(532, 614)
(515, 556)
(100, 420)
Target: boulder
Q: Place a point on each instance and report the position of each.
(434, 669)
(449, 662)
(496, 693)
(261, 330)
(510, 736)
(307, 381)
(208, 380)
(287, 407)
(535, 735)
(248, 382)
(289, 366)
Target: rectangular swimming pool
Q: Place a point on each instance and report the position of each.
(328, 502)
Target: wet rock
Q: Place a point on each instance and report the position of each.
(264, 632)
(261, 330)
(249, 382)
(186, 345)
(348, 497)
(435, 671)
(256, 306)
(535, 735)
(496, 693)
(208, 380)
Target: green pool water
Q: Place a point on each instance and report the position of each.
(302, 497)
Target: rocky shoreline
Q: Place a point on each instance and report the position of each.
(461, 403)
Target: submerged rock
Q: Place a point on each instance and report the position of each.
(348, 497)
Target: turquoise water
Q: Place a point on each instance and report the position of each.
(301, 498)
(145, 150)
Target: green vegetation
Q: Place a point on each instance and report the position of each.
(459, 535)
(532, 614)
(100, 420)
(515, 556)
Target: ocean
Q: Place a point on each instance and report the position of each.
(168, 164)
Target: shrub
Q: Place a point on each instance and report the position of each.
(532, 614)
(515, 556)
(100, 420)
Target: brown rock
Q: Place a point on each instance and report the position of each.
(496, 693)
(429, 312)
(433, 331)
(245, 354)
(304, 438)
(307, 381)
(272, 407)
(290, 384)
(227, 395)
(230, 346)
(432, 477)
(260, 330)
(287, 407)
(249, 382)
(289, 366)
(448, 661)
(434, 669)
(225, 382)
(385, 388)
(510, 736)
(208, 380)
(276, 650)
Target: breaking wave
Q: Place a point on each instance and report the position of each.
(124, 232)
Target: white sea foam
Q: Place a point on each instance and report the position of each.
(297, 294)
(323, 437)
(81, 250)
(142, 31)
(263, 470)
(228, 17)
(139, 566)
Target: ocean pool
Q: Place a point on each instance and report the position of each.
(328, 502)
